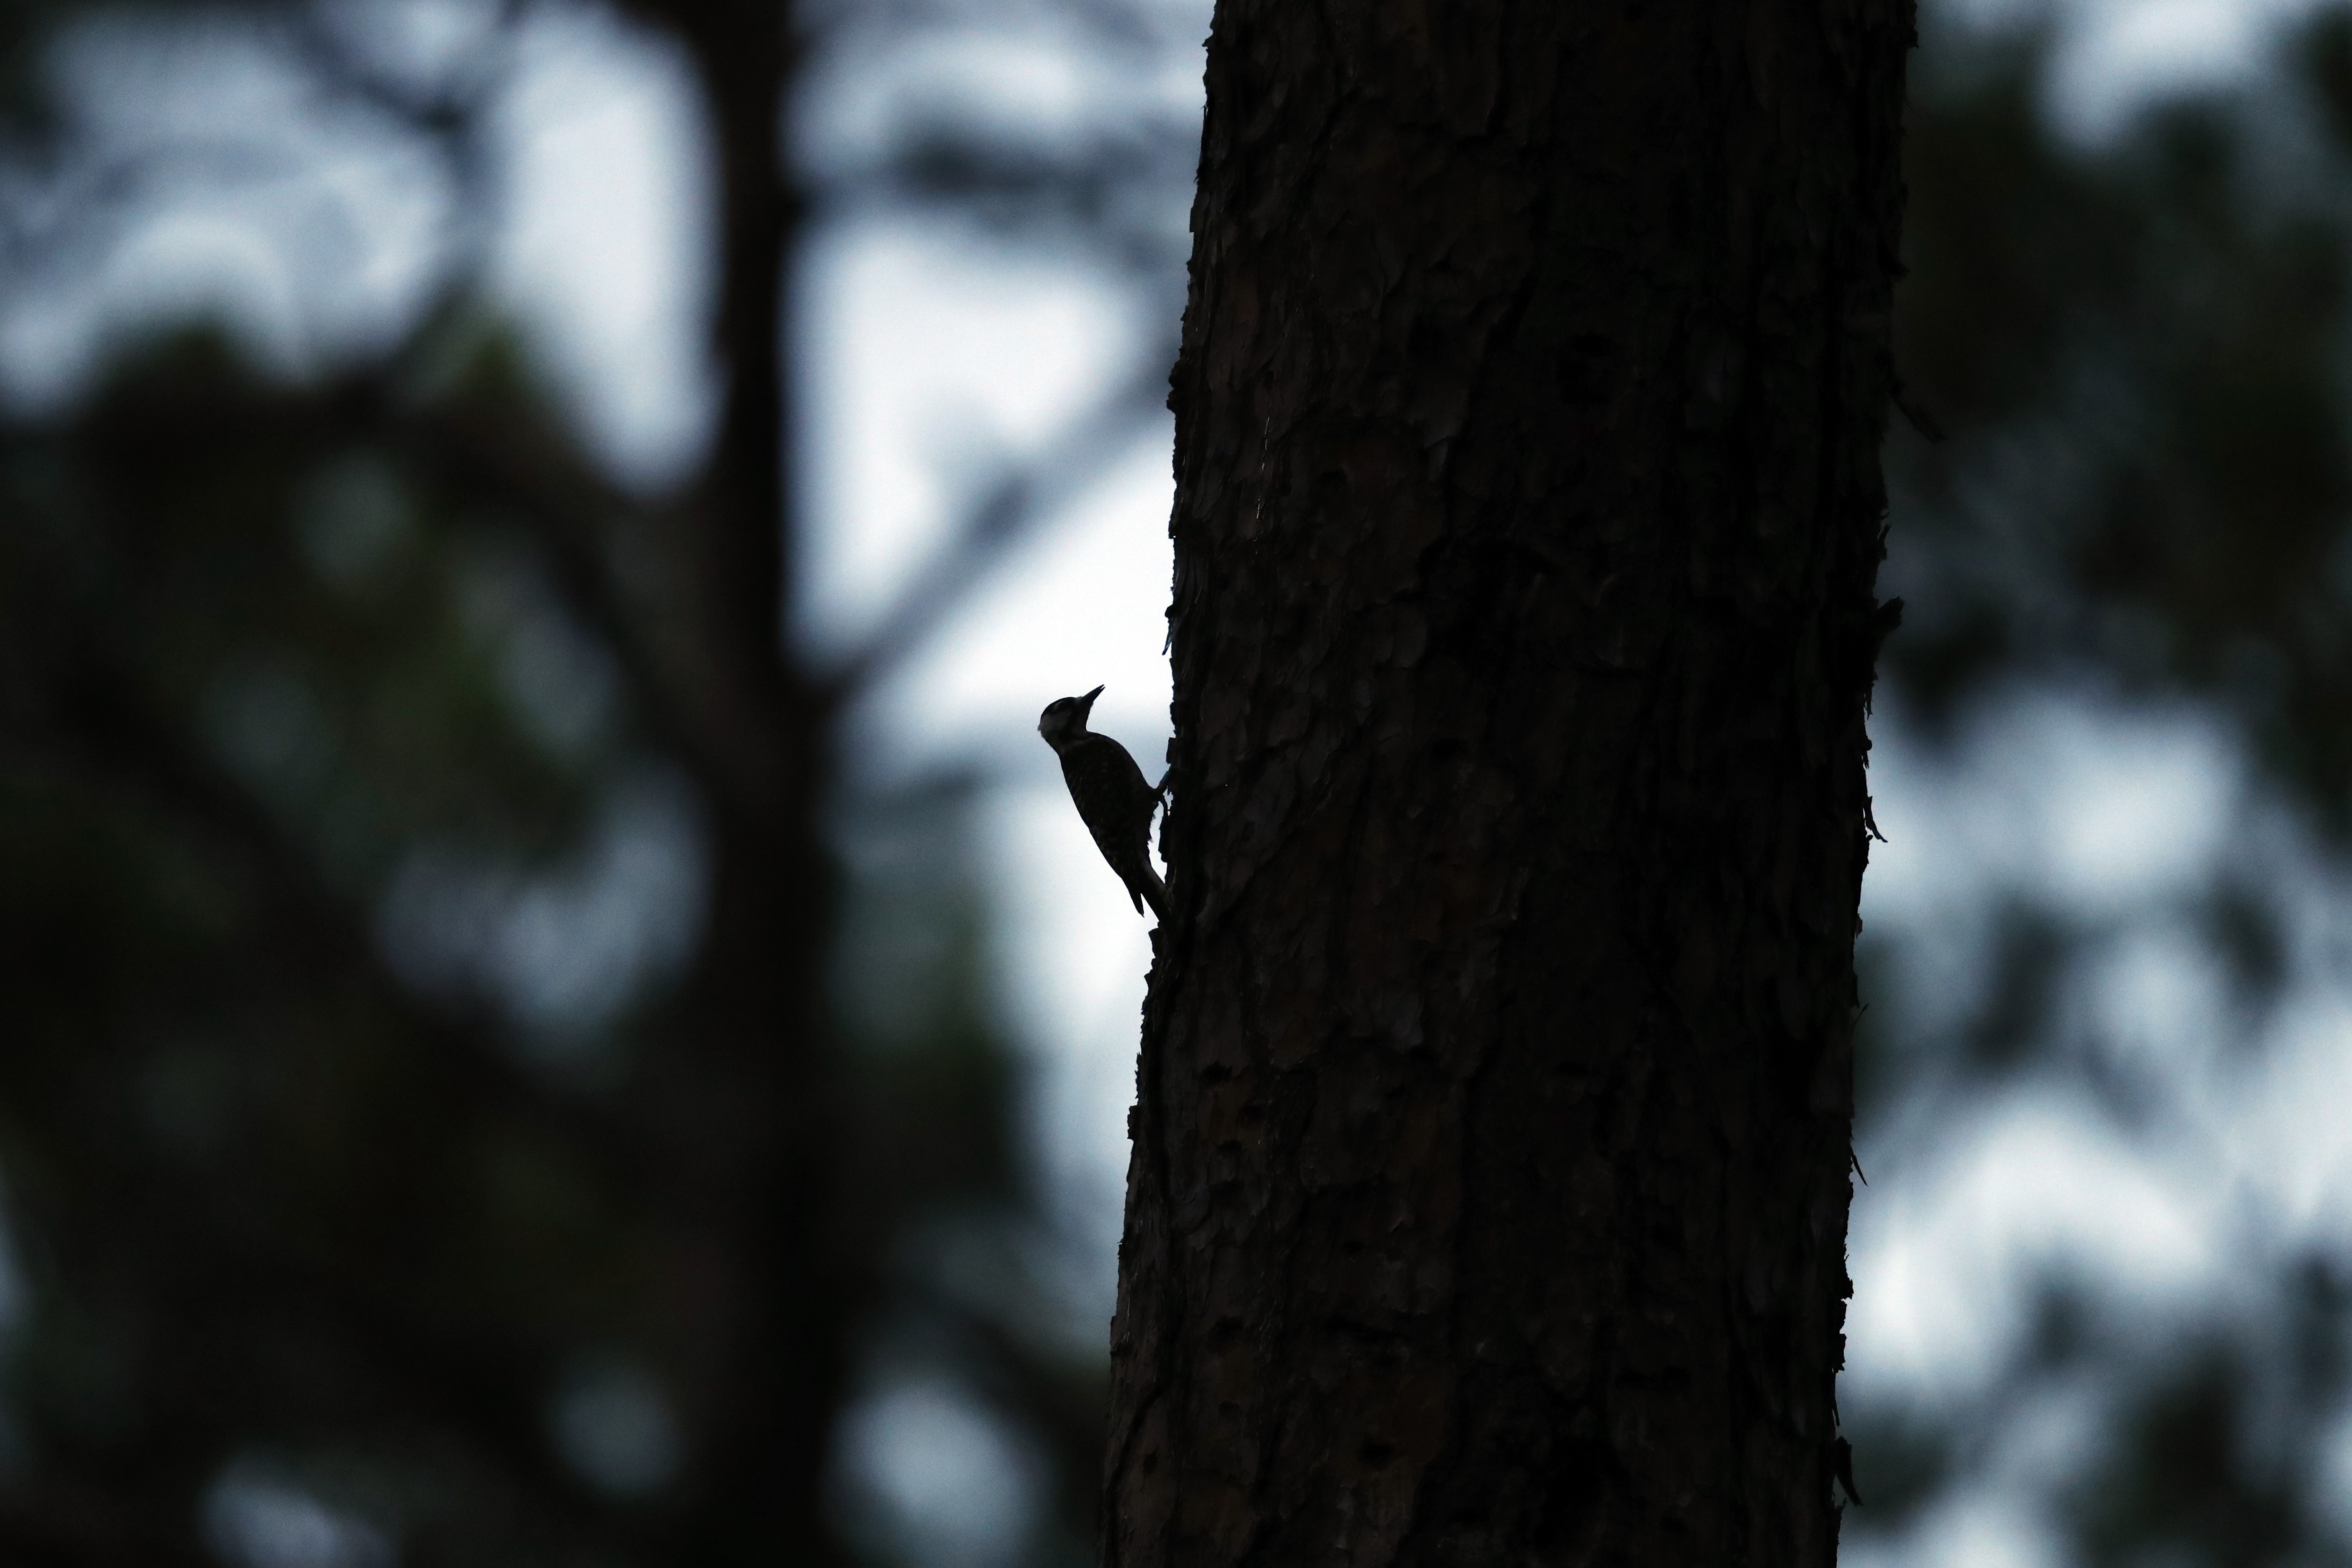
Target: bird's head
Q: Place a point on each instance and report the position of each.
(1065, 719)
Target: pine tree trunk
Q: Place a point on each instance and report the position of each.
(1490, 1183)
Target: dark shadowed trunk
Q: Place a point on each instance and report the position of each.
(1489, 1194)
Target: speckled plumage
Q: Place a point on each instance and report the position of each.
(1112, 799)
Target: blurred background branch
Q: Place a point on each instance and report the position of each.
(1005, 512)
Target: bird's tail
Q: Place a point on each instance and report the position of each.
(1149, 888)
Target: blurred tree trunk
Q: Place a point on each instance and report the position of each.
(751, 1154)
(1490, 1183)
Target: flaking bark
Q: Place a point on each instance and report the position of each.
(1490, 1183)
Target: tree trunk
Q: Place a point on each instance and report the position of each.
(1490, 1183)
(753, 1156)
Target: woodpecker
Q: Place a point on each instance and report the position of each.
(1112, 799)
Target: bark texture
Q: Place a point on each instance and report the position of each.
(1489, 1192)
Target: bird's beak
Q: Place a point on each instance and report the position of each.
(1088, 700)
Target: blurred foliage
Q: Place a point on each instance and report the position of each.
(2136, 349)
(395, 1150)
(314, 1187)
(2139, 353)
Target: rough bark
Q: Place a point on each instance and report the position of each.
(1490, 1183)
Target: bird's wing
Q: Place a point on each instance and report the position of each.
(1146, 794)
